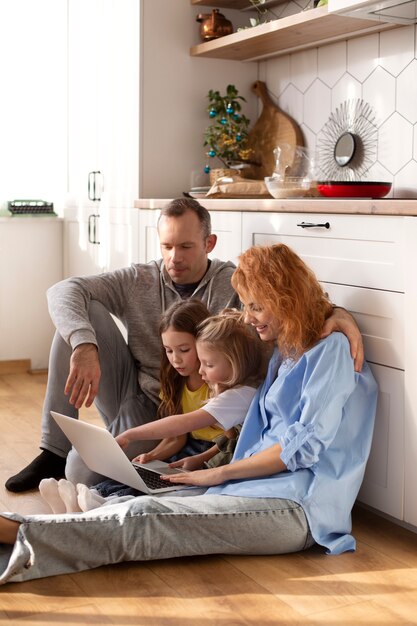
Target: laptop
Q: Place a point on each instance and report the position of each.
(102, 454)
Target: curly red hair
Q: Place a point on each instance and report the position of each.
(277, 280)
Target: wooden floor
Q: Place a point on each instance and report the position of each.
(377, 585)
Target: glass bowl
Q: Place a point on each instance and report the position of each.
(290, 187)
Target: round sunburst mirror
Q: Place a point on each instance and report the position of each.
(346, 145)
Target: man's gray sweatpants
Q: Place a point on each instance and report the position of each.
(120, 401)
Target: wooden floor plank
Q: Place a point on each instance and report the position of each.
(243, 599)
(74, 615)
(361, 614)
(300, 583)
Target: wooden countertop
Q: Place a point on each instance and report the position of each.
(386, 206)
(10, 219)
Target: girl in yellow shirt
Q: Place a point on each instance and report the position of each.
(182, 388)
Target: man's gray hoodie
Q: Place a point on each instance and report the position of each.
(137, 295)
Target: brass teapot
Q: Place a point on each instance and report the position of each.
(213, 25)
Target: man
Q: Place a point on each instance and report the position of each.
(89, 359)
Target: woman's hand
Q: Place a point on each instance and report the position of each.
(262, 463)
(199, 478)
(189, 463)
(343, 321)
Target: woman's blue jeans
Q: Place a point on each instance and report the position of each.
(148, 528)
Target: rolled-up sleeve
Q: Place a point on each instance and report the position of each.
(300, 447)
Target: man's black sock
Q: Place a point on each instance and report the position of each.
(46, 465)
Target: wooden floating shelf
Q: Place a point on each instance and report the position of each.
(306, 29)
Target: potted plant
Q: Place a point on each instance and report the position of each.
(226, 137)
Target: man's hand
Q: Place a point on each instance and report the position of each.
(343, 321)
(84, 376)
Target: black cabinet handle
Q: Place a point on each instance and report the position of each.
(92, 228)
(96, 218)
(310, 225)
(93, 189)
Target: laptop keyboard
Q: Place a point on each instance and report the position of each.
(152, 479)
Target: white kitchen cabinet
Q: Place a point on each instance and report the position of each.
(410, 374)
(227, 225)
(366, 263)
(103, 97)
(97, 243)
(383, 487)
(121, 238)
(30, 262)
(148, 235)
(360, 261)
(103, 134)
(81, 243)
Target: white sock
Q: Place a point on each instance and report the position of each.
(48, 488)
(69, 495)
(88, 498)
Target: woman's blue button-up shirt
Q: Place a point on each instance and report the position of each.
(322, 414)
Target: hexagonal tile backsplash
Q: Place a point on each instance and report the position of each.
(381, 69)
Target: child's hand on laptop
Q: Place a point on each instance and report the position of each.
(189, 463)
(144, 458)
(122, 440)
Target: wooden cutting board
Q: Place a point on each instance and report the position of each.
(271, 128)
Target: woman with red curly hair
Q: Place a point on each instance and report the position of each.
(296, 470)
(307, 437)
(278, 281)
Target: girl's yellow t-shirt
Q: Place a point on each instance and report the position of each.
(193, 400)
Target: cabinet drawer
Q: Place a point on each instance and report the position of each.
(361, 250)
(380, 317)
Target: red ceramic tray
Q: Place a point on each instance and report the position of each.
(353, 189)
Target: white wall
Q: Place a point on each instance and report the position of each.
(33, 120)
(173, 98)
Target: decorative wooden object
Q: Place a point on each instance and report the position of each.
(272, 128)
